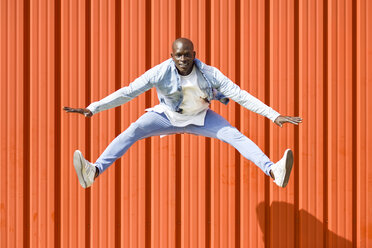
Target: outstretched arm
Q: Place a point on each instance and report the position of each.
(119, 97)
(123, 95)
(233, 91)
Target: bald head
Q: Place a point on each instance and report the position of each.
(183, 55)
(183, 42)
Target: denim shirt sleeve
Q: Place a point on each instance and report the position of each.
(125, 94)
(233, 91)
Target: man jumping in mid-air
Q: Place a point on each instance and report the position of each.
(185, 88)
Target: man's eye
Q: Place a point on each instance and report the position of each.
(185, 55)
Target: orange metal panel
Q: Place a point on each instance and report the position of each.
(11, 188)
(41, 181)
(311, 104)
(3, 128)
(11, 123)
(253, 79)
(133, 64)
(165, 166)
(363, 134)
(18, 233)
(306, 58)
(223, 157)
(72, 88)
(282, 95)
(78, 42)
(339, 128)
(193, 153)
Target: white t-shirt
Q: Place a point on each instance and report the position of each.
(194, 107)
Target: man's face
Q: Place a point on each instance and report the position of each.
(183, 56)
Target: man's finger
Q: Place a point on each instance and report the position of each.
(297, 120)
(294, 118)
(73, 110)
(68, 109)
(291, 121)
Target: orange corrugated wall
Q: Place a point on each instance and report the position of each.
(310, 58)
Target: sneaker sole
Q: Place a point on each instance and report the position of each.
(288, 166)
(78, 158)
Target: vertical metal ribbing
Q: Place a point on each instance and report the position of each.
(208, 140)
(88, 121)
(325, 118)
(57, 95)
(267, 124)
(354, 123)
(237, 124)
(296, 93)
(26, 107)
(148, 141)
(330, 43)
(178, 148)
(118, 226)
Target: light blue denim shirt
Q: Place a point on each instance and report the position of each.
(165, 78)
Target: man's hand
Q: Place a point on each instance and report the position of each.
(82, 111)
(280, 120)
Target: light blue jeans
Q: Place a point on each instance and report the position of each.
(155, 124)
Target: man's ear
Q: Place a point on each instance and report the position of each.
(194, 54)
(172, 55)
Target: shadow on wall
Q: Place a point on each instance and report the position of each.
(311, 232)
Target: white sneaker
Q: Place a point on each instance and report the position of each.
(84, 170)
(282, 169)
